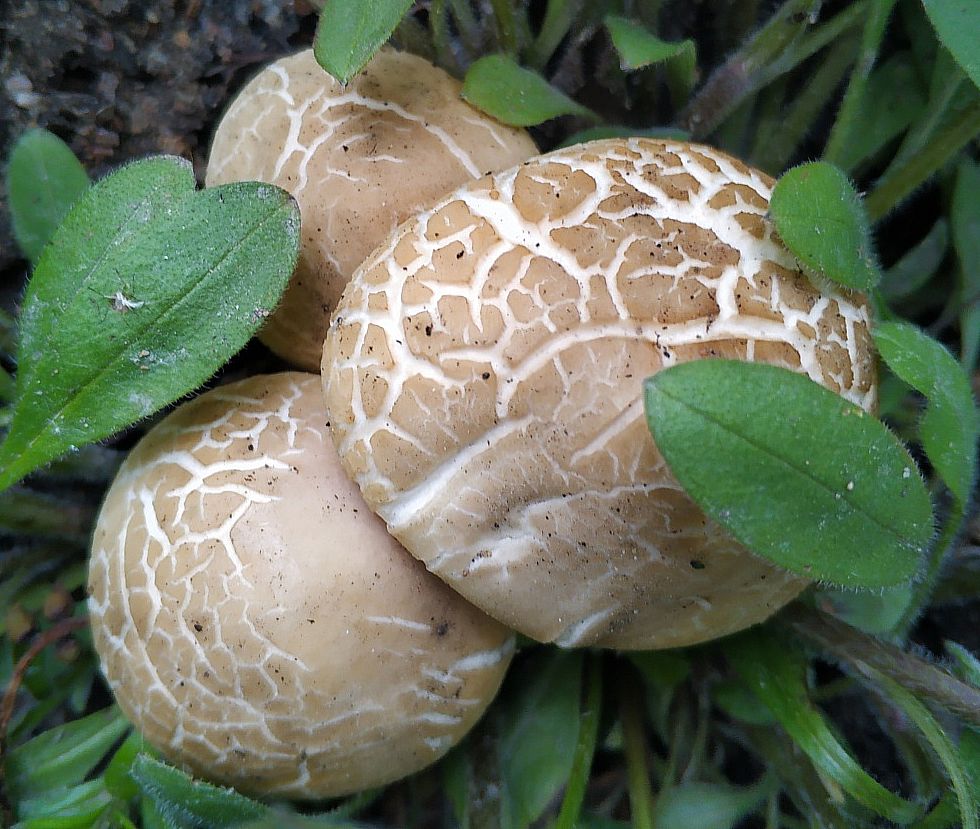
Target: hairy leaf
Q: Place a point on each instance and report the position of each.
(515, 95)
(949, 426)
(638, 48)
(957, 22)
(146, 289)
(819, 216)
(182, 801)
(44, 179)
(350, 32)
(799, 475)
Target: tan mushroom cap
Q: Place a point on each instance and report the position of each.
(255, 620)
(484, 373)
(359, 160)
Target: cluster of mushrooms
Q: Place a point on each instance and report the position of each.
(303, 585)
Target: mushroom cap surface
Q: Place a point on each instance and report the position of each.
(359, 159)
(484, 376)
(255, 620)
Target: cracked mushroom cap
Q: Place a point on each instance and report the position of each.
(359, 160)
(255, 620)
(484, 376)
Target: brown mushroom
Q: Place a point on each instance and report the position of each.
(255, 620)
(359, 159)
(483, 372)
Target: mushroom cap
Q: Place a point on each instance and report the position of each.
(359, 160)
(255, 620)
(484, 376)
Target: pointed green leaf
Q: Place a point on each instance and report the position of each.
(796, 473)
(965, 215)
(820, 218)
(350, 32)
(64, 755)
(775, 670)
(145, 290)
(957, 22)
(43, 181)
(708, 805)
(949, 426)
(638, 48)
(515, 95)
(957, 771)
(79, 807)
(538, 734)
(183, 801)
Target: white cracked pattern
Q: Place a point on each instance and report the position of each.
(255, 620)
(484, 370)
(359, 159)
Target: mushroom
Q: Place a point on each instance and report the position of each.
(359, 159)
(484, 374)
(257, 623)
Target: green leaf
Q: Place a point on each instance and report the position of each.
(184, 802)
(64, 755)
(957, 22)
(958, 773)
(965, 215)
(876, 613)
(515, 95)
(820, 218)
(76, 808)
(116, 776)
(892, 99)
(350, 32)
(948, 428)
(796, 473)
(578, 781)
(775, 670)
(739, 703)
(918, 265)
(638, 48)
(43, 181)
(538, 733)
(707, 805)
(966, 665)
(146, 289)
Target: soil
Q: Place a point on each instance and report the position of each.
(122, 79)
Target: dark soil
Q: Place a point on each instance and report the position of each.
(122, 79)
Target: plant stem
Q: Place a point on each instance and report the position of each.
(571, 804)
(850, 110)
(896, 184)
(868, 655)
(774, 50)
(558, 19)
(634, 745)
(503, 14)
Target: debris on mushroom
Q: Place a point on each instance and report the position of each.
(484, 375)
(255, 620)
(359, 159)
